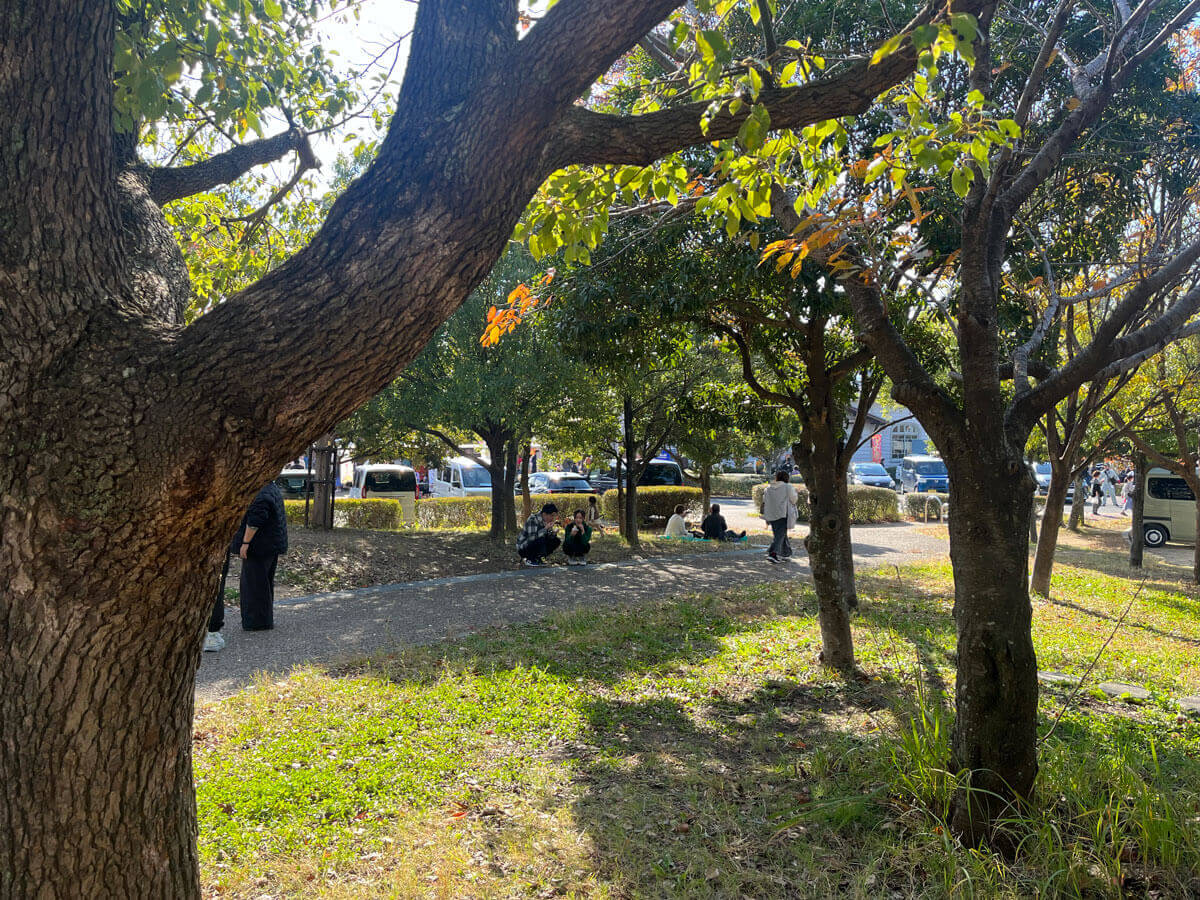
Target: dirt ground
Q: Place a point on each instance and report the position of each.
(344, 559)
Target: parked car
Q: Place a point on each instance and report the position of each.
(1169, 513)
(923, 473)
(460, 477)
(294, 483)
(558, 483)
(658, 472)
(387, 482)
(1041, 473)
(871, 474)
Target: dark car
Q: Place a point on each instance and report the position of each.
(871, 474)
(559, 483)
(658, 472)
(294, 483)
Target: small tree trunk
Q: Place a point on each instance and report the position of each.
(620, 469)
(1043, 559)
(705, 487)
(830, 553)
(526, 502)
(632, 472)
(996, 694)
(496, 442)
(510, 484)
(1194, 483)
(323, 490)
(1077, 505)
(1137, 533)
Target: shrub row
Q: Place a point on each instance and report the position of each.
(868, 505)
(454, 512)
(735, 485)
(916, 505)
(656, 502)
(378, 514)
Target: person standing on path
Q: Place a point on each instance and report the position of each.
(536, 540)
(577, 540)
(260, 541)
(777, 499)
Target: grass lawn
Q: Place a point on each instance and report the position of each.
(692, 748)
(341, 559)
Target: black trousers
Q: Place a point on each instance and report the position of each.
(539, 549)
(576, 548)
(257, 592)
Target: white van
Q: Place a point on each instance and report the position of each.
(387, 482)
(460, 477)
(1169, 513)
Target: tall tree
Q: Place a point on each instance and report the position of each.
(135, 442)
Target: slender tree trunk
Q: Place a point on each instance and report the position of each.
(496, 442)
(705, 487)
(1043, 560)
(526, 501)
(1077, 505)
(996, 694)
(632, 472)
(1193, 482)
(323, 490)
(830, 552)
(620, 469)
(510, 484)
(1137, 533)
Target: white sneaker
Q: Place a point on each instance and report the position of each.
(213, 641)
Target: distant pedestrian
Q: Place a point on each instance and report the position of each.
(1129, 488)
(714, 528)
(260, 541)
(577, 539)
(537, 539)
(778, 498)
(1097, 491)
(1109, 485)
(592, 513)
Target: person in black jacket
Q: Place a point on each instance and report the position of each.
(260, 541)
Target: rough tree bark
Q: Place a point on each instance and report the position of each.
(133, 443)
(1137, 534)
(321, 514)
(498, 440)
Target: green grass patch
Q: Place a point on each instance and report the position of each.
(694, 748)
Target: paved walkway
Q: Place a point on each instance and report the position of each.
(325, 627)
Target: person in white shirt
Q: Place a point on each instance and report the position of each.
(777, 499)
(676, 526)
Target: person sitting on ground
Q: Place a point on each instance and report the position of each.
(577, 539)
(537, 539)
(714, 528)
(677, 526)
(592, 514)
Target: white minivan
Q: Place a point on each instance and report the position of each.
(1169, 513)
(460, 477)
(387, 482)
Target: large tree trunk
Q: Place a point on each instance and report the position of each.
(995, 727)
(1043, 560)
(96, 709)
(1137, 533)
(830, 552)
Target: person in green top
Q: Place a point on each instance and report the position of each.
(577, 540)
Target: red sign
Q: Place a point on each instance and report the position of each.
(877, 448)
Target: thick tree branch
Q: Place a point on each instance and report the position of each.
(592, 137)
(167, 184)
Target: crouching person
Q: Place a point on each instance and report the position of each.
(577, 539)
(537, 539)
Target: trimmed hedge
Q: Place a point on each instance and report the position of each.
(868, 505)
(378, 514)
(454, 512)
(656, 502)
(915, 506)
(735, 485)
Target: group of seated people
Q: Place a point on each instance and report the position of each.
(538, 540)
(712, 527)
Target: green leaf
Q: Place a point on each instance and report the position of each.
(887, 48)
(961, 180)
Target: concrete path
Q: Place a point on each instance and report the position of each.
(325, 627)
